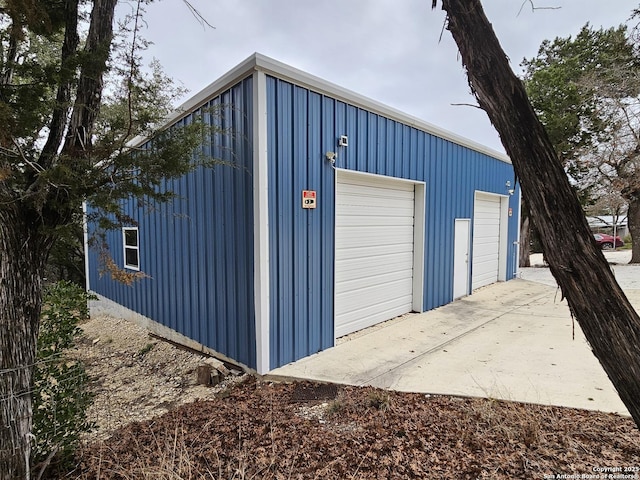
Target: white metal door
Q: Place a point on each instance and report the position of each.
(486, 240)
(374, 250)
(461, 239)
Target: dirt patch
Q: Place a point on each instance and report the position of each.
(136, 376)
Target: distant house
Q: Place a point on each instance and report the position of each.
(608, 223)
(341, 213)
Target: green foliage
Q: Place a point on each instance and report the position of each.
(586, 91)
(563, 83)
(146, 349)
(56, 152)
(66, 259)
(60, 397)
(76, 106)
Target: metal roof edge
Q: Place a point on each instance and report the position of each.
(227, 80)
(268, 65)
(216, 87)
(304, 79)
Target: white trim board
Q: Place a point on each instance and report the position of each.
(261, 224)
(85, 237)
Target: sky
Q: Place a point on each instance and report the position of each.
(393, 51)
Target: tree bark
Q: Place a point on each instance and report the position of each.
(90, 84)
(22, 265)
(609, 322)
(67, 78)
(26, 225)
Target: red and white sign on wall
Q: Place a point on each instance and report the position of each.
(308, 199)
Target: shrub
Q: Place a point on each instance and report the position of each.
(60, 396)
(379, 400)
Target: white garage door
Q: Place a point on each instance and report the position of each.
(374, 250)
(486, 240)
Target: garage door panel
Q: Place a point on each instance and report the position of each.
(374, 251)
(395, 217)
(371, 236)
(361, 196)
(486, 227)
(484, 279)
(487, 210)
(482, 250)
(388, 207)
(484, 236)
(486, 240)
(391, 288)
(381, 185)
(352, 269)
(356, 194)
(372, 315)
(488, 221)
(487, 202)
(486, 266)
(365, 285)
(383, 209)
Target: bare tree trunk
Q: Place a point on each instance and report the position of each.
(609, 322)
(633, 221)
(67, 78)
(21, 268)
(90, 84)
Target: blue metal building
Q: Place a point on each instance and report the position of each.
(339, 213)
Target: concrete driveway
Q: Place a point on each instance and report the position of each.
(512, 341)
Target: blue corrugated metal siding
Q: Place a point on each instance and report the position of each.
(302, 127)
(301, 241)
(198, 249)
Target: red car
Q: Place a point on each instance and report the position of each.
(606, 241)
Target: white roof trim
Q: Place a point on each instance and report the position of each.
(281, 70)
(607, 221)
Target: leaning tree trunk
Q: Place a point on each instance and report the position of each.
(633, 221)
(609, 322)
(23, 253)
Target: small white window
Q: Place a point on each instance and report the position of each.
(131, 248)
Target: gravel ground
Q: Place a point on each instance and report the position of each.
(135, 376)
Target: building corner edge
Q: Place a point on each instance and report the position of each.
(261, 223)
